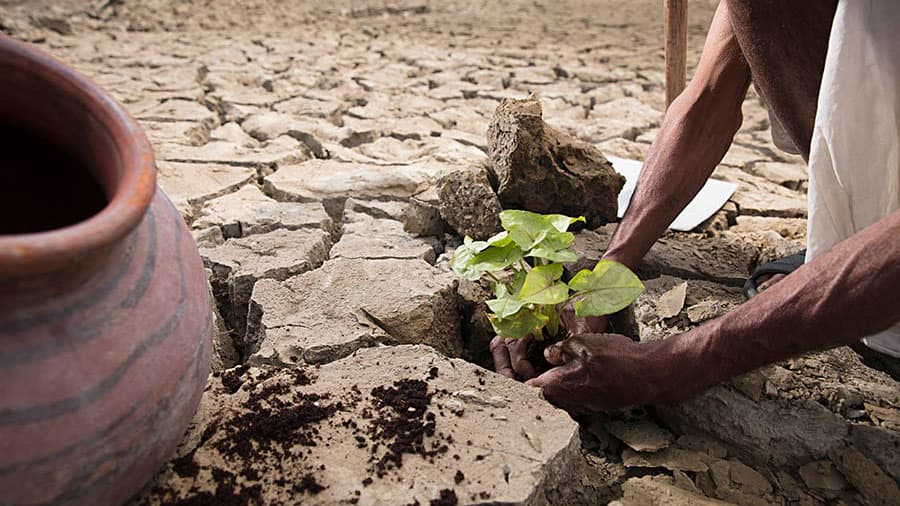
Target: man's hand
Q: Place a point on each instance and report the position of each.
(510, 355)
(597, 372)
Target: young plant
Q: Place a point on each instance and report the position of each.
(529, 296)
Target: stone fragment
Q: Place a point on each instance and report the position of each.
(671, 302)
(738, 482)
(545, 171)
(641, 435)
(367, 237)
(657, 490)
(707, 310)
(281, 150)
(422, 216)
(821, 476)
(806, 430)
(789, 228)
(340, 434)
(317, 180)
(270, 125)
(625, 117)
(326, 314)
(231, 132)
(239, 263)
(208, 237)
(789, 175)
(468, 203)
(670, 458)
(758, 197)
(248, 211)
(880, 445)
(702, 443)
(877, 487)
(180, 110)
(195, 183)
(725, 259)
(176, 132)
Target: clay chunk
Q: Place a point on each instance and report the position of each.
(543, 170)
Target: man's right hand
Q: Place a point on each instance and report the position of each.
(511, 355)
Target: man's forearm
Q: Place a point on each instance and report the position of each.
(838, 298)
(693, 139)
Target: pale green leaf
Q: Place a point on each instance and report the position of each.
(554, 255)
(525, 322)
(505, 306)
(562, 222)
(608, 288)
(526, 229)
(501, 239)
(542, 285)
(496, 258)
(463, 257)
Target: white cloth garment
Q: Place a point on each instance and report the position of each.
(854, 163)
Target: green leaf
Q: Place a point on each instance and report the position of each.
(562, 222)
(500, 240)
(561, 256)
(554, 247)
(505, 306)
(461, 263)
(609, 288)
(525, 322)
(496, 258)
(518, 282)
(526, 229)
(542, 285)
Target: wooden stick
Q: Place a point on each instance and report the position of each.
(676, 48)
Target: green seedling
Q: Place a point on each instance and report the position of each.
(529, 295)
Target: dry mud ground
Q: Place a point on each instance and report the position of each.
(291, 136)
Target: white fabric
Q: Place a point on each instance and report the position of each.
(854, 163)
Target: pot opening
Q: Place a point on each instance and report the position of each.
(42, 187)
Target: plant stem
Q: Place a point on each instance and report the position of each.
(495, 278)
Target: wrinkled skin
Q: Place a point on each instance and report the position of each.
(597, 372)
(510, 355)
(833, 300)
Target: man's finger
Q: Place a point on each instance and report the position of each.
(518, 354)
(555, 354)
(502, 363)
(565, 351)
(553, 384)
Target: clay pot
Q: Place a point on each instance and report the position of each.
(105, 324)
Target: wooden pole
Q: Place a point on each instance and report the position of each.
(676, 48)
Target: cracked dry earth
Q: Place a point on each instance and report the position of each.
(292, 136)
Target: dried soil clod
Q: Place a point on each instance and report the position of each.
(543, 170)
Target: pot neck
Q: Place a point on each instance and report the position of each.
(43, 96)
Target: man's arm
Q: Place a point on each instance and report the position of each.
(694, 137)
(838, 298)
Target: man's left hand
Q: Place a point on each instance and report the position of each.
(598, 372)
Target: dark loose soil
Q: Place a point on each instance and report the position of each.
(41, 187)
(535, 353)
(402, 423)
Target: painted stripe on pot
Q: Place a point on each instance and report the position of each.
(29, 414)
(107, 286)
(82, 482)
(84, 332)
(99, 438)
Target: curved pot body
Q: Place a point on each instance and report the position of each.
(105, 325)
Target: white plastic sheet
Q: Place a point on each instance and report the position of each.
(711, 198)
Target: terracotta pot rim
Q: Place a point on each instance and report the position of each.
(42, 251)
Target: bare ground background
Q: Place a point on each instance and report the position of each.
(292, 135)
